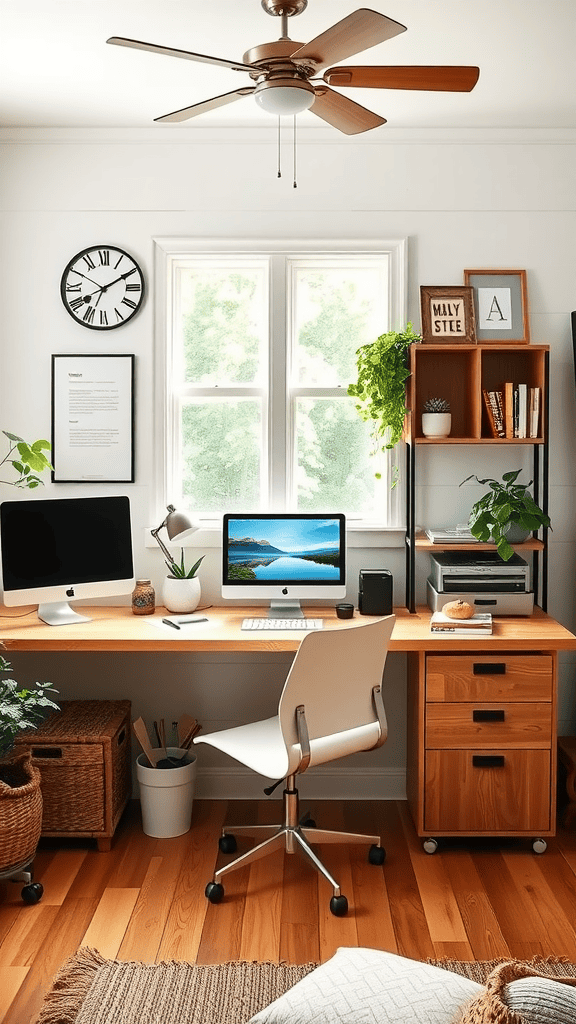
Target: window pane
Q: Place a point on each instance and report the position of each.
(221, 454)
(334, 468)
(223, 320)
(335, 310)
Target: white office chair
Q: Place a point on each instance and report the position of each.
(331, 705)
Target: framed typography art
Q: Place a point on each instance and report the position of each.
(500, 305)
(447, 315)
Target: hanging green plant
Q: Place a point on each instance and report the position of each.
(380, 389)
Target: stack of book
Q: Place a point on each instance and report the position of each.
(479, 625)
(457, 535)
(514, 411)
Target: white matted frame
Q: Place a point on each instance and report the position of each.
(500, 305)
(93, 418)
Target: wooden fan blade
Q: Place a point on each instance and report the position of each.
(201, 108)
(359, 31)
(432, 79)
(168, 51)
(346, 115)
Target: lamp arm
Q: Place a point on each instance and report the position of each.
(163, 547)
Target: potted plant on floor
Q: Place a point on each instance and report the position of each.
(380, 389)
(181, 591)
(506, 514)
(21, 708)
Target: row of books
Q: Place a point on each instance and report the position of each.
(479, 625)
(514, 411)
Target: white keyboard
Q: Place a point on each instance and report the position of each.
(282, 624)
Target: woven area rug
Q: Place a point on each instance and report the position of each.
(89, 989)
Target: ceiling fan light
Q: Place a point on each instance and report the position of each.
(285, 97)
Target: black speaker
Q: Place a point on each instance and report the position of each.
(375, 592)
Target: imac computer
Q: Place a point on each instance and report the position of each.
(284, 558)
(55, 550)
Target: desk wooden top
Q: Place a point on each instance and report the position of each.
(117, 629)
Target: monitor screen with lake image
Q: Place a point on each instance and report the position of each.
(284, 558)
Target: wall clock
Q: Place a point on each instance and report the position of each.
(102, 287)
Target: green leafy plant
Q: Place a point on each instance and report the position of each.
(31, 460)
(380, 389)
(436, 405)
(179, 571)
(20, 708)
(505, 503)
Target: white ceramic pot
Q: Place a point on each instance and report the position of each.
(436, 424)
(181, 595)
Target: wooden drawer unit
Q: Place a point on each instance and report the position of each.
(484, 738)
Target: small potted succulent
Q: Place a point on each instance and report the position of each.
(506, 514)
(436, 418)
(21, 708)
(181, 590)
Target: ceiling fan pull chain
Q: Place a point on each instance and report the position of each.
(279, 170)
(294, 137)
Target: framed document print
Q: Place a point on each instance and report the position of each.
(447, 315)
(500, 304)
(93, 418)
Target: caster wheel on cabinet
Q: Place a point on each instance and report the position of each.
(430, 845)
(539, 845)
(339, 906)
(376, 854)
(227, 844)
(33, 892)
(214, 892)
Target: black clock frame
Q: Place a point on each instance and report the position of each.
(101, 249)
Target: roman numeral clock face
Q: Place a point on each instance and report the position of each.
(102, 287)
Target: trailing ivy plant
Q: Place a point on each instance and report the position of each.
(380, 389)
(31, 461)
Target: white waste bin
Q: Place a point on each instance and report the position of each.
(166, 795)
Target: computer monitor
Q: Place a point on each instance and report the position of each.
(284, 558)
(61, 548)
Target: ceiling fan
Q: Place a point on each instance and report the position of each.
(284, 71)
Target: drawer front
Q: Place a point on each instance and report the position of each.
(486, 677)
(488, 725)
(496, 791)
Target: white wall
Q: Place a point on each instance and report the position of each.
(463, 198)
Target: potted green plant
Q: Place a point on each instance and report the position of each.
(30, 461)
(181, 590)
(380, 389)
(436, 418)
(21, 708)
(506, 514)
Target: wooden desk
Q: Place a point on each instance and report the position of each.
(482, 729)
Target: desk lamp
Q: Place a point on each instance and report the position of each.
(178, 527)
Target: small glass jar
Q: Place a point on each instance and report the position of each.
(143, 598)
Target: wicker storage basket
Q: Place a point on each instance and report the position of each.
(20, 811)
(83, 755)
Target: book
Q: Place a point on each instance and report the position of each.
(479, 625)
(522, 409)
(508, 388)
(534, 413)
(455, 536)
(493, 412)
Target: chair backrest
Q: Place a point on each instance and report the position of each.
(333, 675)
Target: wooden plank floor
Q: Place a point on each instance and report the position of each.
(144, 900)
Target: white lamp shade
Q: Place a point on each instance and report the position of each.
(283, 99)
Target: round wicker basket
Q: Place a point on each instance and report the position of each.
(20, 810)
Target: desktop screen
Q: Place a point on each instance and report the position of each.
(284, 556)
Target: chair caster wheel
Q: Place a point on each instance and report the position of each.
(376, 854)
(338, 906)
(214, 892)
(430, 845)
(308, 823)
(227, 844)
(33, 892)
(539, 845)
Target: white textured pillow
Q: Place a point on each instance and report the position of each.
(541, 1000)
(368, 986)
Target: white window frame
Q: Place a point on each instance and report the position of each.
(169, 250)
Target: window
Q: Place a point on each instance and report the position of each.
(256, 347)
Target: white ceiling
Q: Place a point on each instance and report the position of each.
(57, 71)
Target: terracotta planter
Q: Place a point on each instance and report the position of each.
(20, 811)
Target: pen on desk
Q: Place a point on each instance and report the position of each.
(184, 622)
(170, 623)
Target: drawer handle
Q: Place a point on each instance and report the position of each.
(46, 752)
(489, 668)
(488, 761)
(488, 715)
